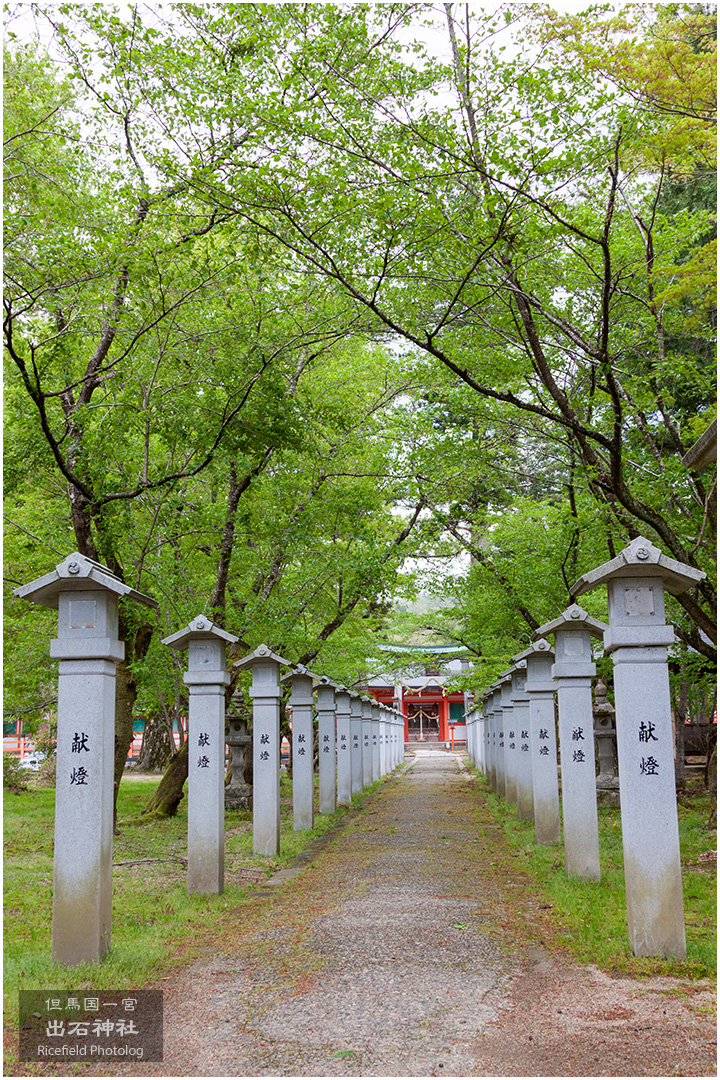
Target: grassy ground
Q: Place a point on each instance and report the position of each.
(591, 916)
(156, 925)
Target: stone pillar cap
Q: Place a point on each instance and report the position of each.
(201, 628)
(573, 618)
(261, 653)
(300, 669)
(75, 573)
(507, 675)
(541, 647)
(641, 559)
(324, 680)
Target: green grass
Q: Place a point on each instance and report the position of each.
(156, 925)
(590, 916)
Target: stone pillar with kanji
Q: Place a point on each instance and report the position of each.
(638, 639)
(573, 670)
(344, 753)
(86, 596)
(540, 690)
(494, 706)
(382, 729)
(375, 710)
(265, 692)
(505, 719)
(399, 728)
(206, 679)
(326, 745)
(485, 733)
(356, 749)
(521, 720)
(512, 746)
(366, 704)
(301, 703)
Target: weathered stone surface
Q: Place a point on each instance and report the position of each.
(206, 679)
(86, 595)
(366, 739)
(375, 740)
(326, 746)
(521, 722)
(572, 671)
(540, 689)
(301, 703)
(511, 749)
(637, 638)
(344, 753)
(265, 692)
(356, 742)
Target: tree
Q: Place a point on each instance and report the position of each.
(157, 349)
(289, 178)
(519, 241)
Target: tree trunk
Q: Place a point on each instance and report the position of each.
(711, 781)
(157, 745)
(137, 642)
(167, 798)
(125, 695)
(679, 724)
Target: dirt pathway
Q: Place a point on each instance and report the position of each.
(396, 952)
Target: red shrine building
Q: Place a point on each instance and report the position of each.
(432, 713)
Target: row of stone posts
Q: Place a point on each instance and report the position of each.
(360, 741)
(511, 738)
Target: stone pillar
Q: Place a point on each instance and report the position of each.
(493, 709)
(344, 753)
(86, 596)
(356, 742)
(607, 782)
(478, 726)
(327, 766)
(512, 744)
(505, 718)
(485, 733)
(521, 720)
(375, 731)
(572, 671)
(382, 739)
(400, 738)
(238, 794)
(637, 638)
(366, 741)
(540, 689)
(206, 679)
(265, 692)
(301, 702)
(470, 735)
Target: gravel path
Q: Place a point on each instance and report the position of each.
(389, 956)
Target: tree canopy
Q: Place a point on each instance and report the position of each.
(295, 292)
